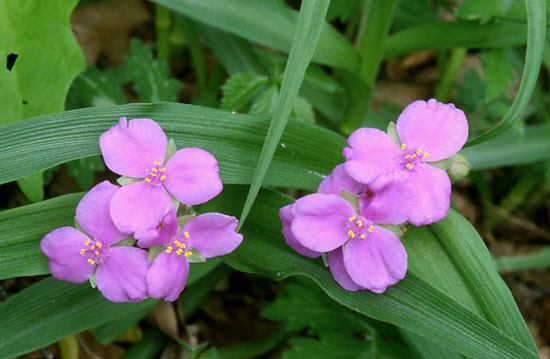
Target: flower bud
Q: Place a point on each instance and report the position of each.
(459, 167)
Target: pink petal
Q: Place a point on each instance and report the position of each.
(320, 221)
(391, 203)
(167, 276)
(338, 270)
(432, 194)
(376, 262)
(62, 247)
(286, 214)
(161, 233)
(371, 153)
(92, 214)
(132, 148)
(339, 180)
(436, 128)
(137, 207)
(192, 176)
(213, 234)
(122, 276)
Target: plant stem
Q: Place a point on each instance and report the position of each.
(162, 24)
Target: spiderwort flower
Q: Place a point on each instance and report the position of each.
(120, 272)
(429, 132)
(208, 235)
(361, 254)
(137, 148)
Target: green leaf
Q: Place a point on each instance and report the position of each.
(536, 32)
(151, 77)
(44, 57)
(32, 186)
(83, 170)
(471, 91)
(342, 9)
(97, 88)
(265, 102)
(484, 10)
(308, 30)
(303, 111)
(238, 90)
(498, 70)
(268, 23)
(411, 13)
(40, 143)
(328, 347)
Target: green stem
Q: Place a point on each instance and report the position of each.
(374, 26)
(449, 73)
(197, 56)
(162, 25)
(539, 259)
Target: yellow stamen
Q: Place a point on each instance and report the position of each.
(371, 228)
(179, 251)
(91, 262)
(360, 223)
(413, 156)
(186, 234)
(351, 218)
(96, 253)
(177, 243)
(162, 169)
(157, 163)
(188, 253)
(403, 146)
(92, 247)
(169, 249)
(426, 154)
(363, 236)
(162, 178)
(147, 180)
(407, 156)
(154, 169)
(153, 174)
(99, 245)
(182, 245)
(418, 151)
(409, 166)
(82, 251)
(87, 242)
(351, 234)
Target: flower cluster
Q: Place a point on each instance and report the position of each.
(388, 179)
(156, 178)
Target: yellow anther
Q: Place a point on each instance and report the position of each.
(363, 236)
(153, 174)
(92, 247)
(87, 242)
(371, 228)
(177, 243)
(351, 234)
(169, 249)
(351, 218)
(182, 245)
(426, 154)
(409, 166)
(188, 253)
(418, 151)
(157, 163)
(162, 178)
(360, 223)
(179, 251)
(147, 180)
(154, 169)
(82, 251)
(403, 146)
(99, 245)
(186, 234)
(162, 169)
(407, 156)
(96, 253)
(413, 156)
(91, 262)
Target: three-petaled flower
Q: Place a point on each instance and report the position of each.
(208, 235)
(429, 132)
(137, 149)
(120, 272)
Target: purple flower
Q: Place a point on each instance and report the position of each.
(429, 132)
(120, 272)
(361, 254)
(208, 235)
(137, 149)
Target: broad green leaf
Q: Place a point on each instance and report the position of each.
(32, 186)
(40, 143)
(44, 57)
(498, 70)
(113, 329)
(328, 347)
(303, 111)
(470, 93)
(83, 170)
(307, 32)
(265, 102)
(149, 347)
(50, 310)
(254, 348)
(342, 9)
(484, 10)
(151, 77)
(426, 349)
(96, 88)
(411, 13)
(268, 23)
(536, 33)
(239, 89)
